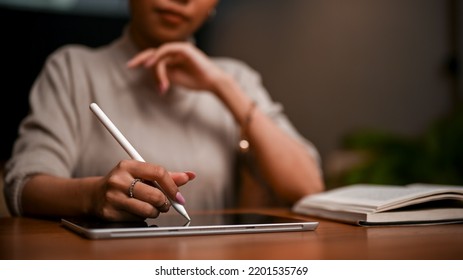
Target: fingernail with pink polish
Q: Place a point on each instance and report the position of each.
(180, 199)
(191, 175)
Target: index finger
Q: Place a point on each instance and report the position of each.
(160, 177)
(140, 58)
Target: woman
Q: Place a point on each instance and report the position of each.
(181, 109)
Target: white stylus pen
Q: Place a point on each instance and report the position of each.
(131, 150)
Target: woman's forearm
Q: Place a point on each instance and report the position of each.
(286, 163)
(46, 195)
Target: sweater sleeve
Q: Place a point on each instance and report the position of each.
(48, 134)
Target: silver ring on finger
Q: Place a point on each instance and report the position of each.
(132, 186)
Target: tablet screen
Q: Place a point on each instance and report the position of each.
(172, 224)
(172, 220)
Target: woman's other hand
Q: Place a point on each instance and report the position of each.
(179, 63)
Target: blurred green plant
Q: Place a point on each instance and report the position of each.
(436, 156)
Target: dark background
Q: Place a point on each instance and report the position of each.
(28, 37)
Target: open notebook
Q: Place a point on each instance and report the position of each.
(387, 205)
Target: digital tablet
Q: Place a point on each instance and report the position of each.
(176, 225)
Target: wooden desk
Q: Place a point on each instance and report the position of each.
(25, 238)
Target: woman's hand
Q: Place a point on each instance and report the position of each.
(179, 63)
(113, 201)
